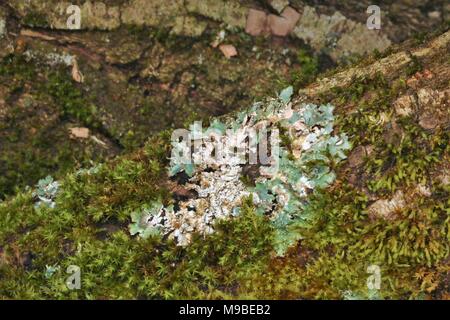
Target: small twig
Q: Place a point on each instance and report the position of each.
(35, 34)
(97, 140)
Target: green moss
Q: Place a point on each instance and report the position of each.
(408, 163)
(56, 96)
(70, 98)
(420, 37)
(342, 234)
(377, 85)
(414, 66)
(35, 19)
(88, 228)
(139, 32)
(120, 266)
(309, 68)
(17, 67)
(285, 139)
(348, 241)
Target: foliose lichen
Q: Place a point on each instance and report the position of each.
(46, 192)
(281, 185)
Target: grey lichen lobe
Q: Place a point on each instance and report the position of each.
(188, 26)
(338, 35)
(279, 5)
(94, 15)
(177, 15)
(232, 13)
(281, 184)
(151, 13)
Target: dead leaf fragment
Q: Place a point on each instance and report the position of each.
(427, 74)
(76, 74)
(79, 132)
(388, 208)
(404, 105)
(219, 39)
(228, 50)
(256, 22)
(284, 24)
(21, 45)
(35, 34)
(98, 141)
(418, 76)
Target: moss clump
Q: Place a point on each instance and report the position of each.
(309, 68)
(414, 66)
(349, 241)
(38, 119)
(114, 264)
(16, 67)
(35, 20)
(408, 163)
(70, 99)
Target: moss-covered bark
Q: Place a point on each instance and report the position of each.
(388, 206)
(138, 81)
(148, 66)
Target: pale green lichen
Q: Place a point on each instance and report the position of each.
(315, 148)
(46, 192)
(89, 171)
(371, 294)
(281, 185)
(50, 271)
(146, 221)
